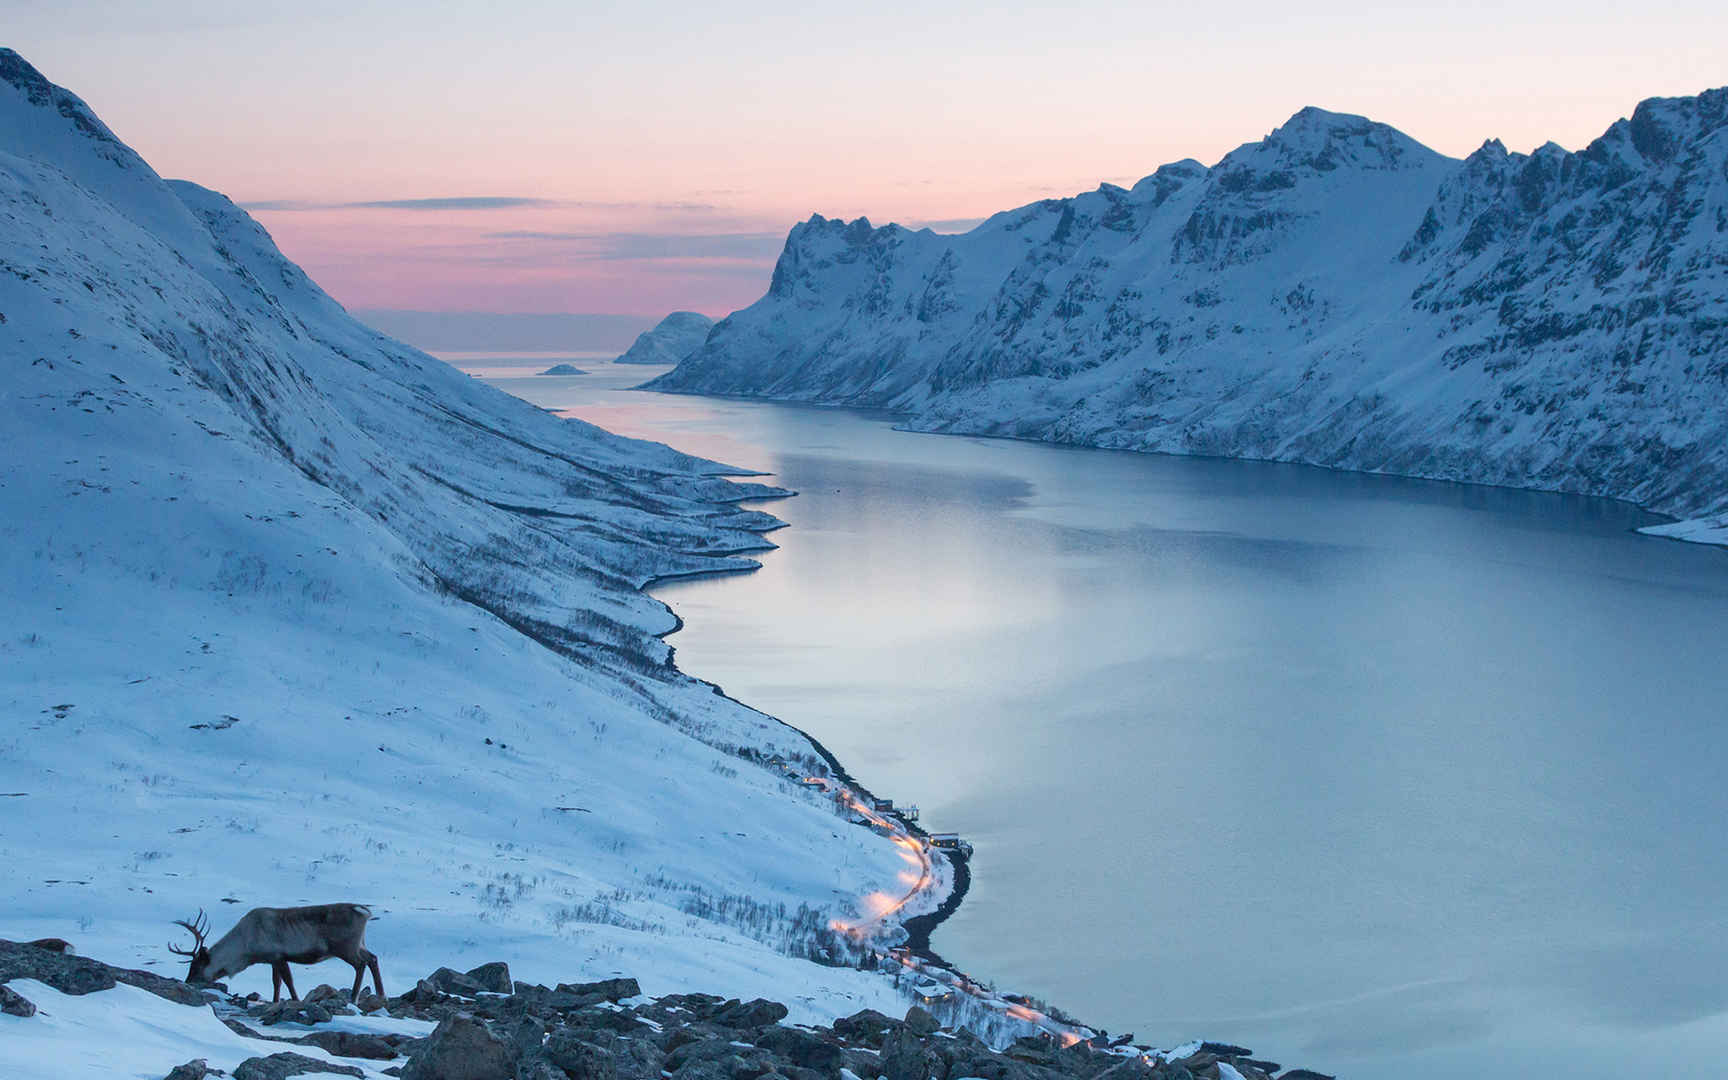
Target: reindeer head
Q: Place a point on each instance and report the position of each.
(199, 970)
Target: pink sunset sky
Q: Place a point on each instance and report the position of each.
(641, 157)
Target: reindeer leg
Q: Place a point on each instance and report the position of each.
(288, 977)
(359, 974)
(275, 983)
(377, 979)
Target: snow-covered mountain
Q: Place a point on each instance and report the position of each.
(296, 613)
(669, 340)
(1335, 293)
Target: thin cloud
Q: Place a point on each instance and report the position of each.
(480, 202)
(750, 246)
(454, 202)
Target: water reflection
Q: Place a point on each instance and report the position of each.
(1395, 777)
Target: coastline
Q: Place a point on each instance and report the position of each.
(918, 927)
(1697, 530)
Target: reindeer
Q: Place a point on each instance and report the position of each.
(279, 936)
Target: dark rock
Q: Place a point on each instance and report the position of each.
(867, 1027)
(920, 1021)
(293, 1012)
(637, 1059)
(12, 1003)
(719, 1059)
(677, 1037)
(493, 978)
(460, 1049)
(527, 1036)
(905, 1057)
(282, 1066)
(1305, 1074)
(1267, 1067)
(1032, 1050)
(759, 1012)
(802, 1048)
(452, 982)
(604, 990)
(370, 1002)
(197, 1069)
(350, 1044)
(1225, 1050)
(52, 944)
(76, 975)
(326, 992)
(578, 1059)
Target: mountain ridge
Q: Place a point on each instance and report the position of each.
(1334, 293)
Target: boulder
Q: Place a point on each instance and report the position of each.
(867, 1027)
(350, 1044)
(294, 1012)
(12, 1003)
(580, 1060)
(905, 1057)
(493, 978)
(759, 1012)
(604, 990)
(196, 1069)
(920, 1021)
(461, 1048)
(282, 1066)
(76, 975)
(452, 982)
(802, 1048)
(325, 992)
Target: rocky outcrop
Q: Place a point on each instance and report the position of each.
(283, 1065)
(607, 1030)
(78, 975)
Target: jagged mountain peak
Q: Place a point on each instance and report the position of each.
(34, 90)
(1335, 292)
(1315, 140)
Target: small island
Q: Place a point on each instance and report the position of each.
(563, 369)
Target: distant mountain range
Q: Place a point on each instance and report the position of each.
(1336, 294)
(670, 340)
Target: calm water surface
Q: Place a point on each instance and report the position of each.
(1381, 777)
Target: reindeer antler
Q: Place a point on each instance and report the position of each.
(198, 927)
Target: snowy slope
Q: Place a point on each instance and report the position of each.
(669, 340)
(296, 613)
(1334, 294)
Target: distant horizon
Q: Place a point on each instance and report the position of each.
(554, 160)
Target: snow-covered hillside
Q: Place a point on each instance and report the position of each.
(296, 613)
(669, 340)
(1334, 294)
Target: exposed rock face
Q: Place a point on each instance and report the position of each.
(282, 1066)
(1335, 294)
(12, 1003)
(606, 1031)
(672, 339)
(462, 1048)
(77, 975)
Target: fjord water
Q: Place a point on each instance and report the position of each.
(1383, 777)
